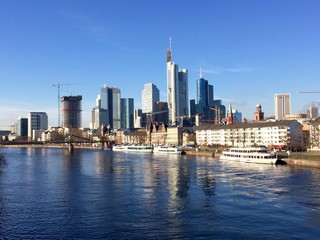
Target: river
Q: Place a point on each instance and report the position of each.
(95, 194)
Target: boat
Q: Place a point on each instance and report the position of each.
(249, 155)
(168, 150)
(132, 148)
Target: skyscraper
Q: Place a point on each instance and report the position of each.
(22, 127)
(183, 102)
(138, 118)
(177, 89)
(150, 96)
(312, 112)
(204, 95)
(71, 111)
(161, 110)
(127, 112)
(282, 105)
(107, 111)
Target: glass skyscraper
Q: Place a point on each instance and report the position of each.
(150, 96)
(177, 90)
(127, 113)
(108, 110)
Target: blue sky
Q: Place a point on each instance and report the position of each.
(249, 50)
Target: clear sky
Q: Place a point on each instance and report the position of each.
(249, 50)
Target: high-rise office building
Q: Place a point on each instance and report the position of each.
(177, 89)
(138, 118)
(183, 103)
(220, 111)
(71, 111)
(237, 116)
(127, 113)
(204, 97)
(22, 127)
(150, 96)
(312, 112)
(37, 121)
(161, 115)
(107, 111)
(282, 105)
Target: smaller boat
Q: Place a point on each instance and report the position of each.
(249, 155)
(168, 150)
(132, 148)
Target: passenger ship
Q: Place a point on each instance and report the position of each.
(133, 148)
(249, 155)
(168, 150)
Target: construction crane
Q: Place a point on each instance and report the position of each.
(58, 86)
(219, 114)
(309, 92)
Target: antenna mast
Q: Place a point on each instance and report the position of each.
(169, 52)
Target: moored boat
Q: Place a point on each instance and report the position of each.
(249, 155)
(133, 148)
(168, 150)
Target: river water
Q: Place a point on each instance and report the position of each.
(94, 194)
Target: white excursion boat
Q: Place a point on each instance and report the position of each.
(249, 155)
(169, 150)
(132, 148)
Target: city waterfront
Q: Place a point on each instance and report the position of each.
(96, 194)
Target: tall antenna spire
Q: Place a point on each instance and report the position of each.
(201, 75)
(169, 52)
(170, 45)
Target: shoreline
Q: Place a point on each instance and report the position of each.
(315, 163)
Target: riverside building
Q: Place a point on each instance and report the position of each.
(279, 133)
(37, 123)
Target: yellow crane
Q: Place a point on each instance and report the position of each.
(219, 115)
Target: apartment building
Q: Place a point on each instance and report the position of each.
(285, 132)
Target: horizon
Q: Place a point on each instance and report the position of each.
(248, 51)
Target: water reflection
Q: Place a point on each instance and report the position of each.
(103, 194)
(2, 161)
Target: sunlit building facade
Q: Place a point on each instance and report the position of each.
(282, 105)
(150, 96)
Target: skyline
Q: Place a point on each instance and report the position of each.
(248, 51)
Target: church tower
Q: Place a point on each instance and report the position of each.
(229, 115)
(258, 115)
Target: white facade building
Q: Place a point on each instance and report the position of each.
(150, 96)
(36, 121)
(280, 133)
(282, 105)
(312, 112)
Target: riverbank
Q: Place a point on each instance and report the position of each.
(299, 159)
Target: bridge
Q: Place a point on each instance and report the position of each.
(69, 138)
